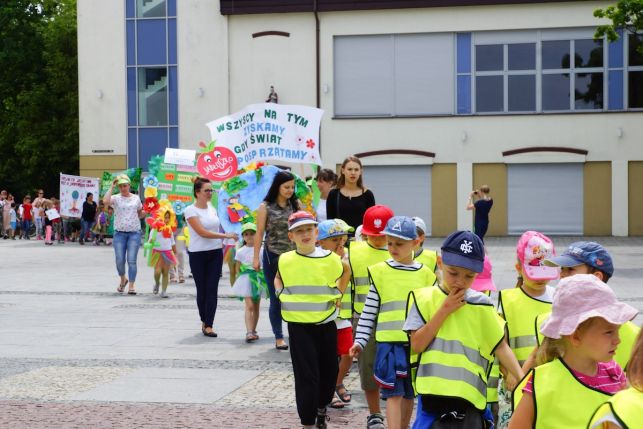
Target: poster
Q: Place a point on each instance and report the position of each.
(175, 182)
(73, 192)
(266, 131)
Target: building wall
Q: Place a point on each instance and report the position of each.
(444, 194)
(101, 84)
(597, 210)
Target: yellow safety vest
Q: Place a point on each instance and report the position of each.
(562, 400)
(393, 286)
(626, 407)
(520, 310)
(310, 289)
(346, 304)
(494, 375)
(627, 333)
(457, 361)
(428, 258)
(362, 255)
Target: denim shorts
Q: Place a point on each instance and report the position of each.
(402, 388)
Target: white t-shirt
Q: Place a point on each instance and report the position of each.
(210, 221)
(245, 255)
(126, 212)
(12, 215)
(163, 242)
(321, 211)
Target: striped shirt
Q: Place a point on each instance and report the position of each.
(609, 378)
(368, 318)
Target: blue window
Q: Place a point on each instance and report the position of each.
(152, 141)
(464, 94)
(151, 41)
(615, 89)
(174, 137)
(150, 8)
(132, 148)
(130, 8)
(463, 67)
(131, 43)
(131, 97)
(464, 52)
(615, 52)
(171, 33)
(171, 8)
(173, 97)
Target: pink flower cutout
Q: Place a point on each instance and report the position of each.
(310, 143)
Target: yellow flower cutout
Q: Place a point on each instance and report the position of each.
(150, 192)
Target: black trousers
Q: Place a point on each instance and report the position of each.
(313, 350)
(206, 270)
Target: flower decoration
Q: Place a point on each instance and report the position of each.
(150, 181)
(151, 205)
(179, 207)
(310, 143)
(151, 192)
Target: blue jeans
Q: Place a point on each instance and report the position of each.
(85, 227)
(126, 245)
(269, 261)
(39, 225)
(26, 226)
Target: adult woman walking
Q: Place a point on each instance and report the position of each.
(272, 218)
(351, 198)
(87, 218)
(481, 203)
(326, 181)
(128, 211)
(205, 252)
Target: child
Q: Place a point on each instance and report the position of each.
(12, 220)
(163, 256)
(361, 255)
(332, 236)
(391, 282)
(624, 410)
(521, 305)
(577, 372)
(425, 257)
(310, 282)
(110, 225)
(454, 334)
(26, 214)
(57, 223)
(249, 283)
(49, 222)
(100, 229)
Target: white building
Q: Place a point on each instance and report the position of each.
(435, 99)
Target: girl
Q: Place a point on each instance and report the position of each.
(49, 223)
(350, 199)
(624, 409)
(520, 306)
(164, 249)
(26, 213)
(249, 283)
(577, 372)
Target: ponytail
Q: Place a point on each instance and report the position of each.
(549, 350)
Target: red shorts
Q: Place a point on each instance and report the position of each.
(344, 340)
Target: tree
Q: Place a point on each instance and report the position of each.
(626, 15)
(38, 94)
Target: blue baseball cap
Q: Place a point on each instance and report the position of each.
(464, 249)
(330, 228)
(584, 252)
(401, 227)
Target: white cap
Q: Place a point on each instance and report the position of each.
(419, 223)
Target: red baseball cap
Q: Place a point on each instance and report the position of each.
(375, 219)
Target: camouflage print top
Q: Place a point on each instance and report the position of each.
(277, 228)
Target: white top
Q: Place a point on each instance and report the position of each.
(126, 212)
(164, 243)
(210, 221)
(12, 215)
(321, 211)
(245, 255)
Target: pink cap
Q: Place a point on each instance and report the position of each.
(484, 281)
(581, 297)
(532, 250)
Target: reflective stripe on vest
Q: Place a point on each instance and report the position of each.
(393, 286)
(457, 368)
(520, 310)
(346, 306)
(626, 406)
(362, 255)
(309, 294)
(554, 381)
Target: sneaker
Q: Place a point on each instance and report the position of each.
(156, 289)
(375, 421)
(322, 417)
(81, 242)
(164, 294)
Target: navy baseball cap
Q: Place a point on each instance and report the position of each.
(401, 227)
(584, 252)
(464, 249)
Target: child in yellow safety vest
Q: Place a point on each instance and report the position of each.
(455, 333)
(383, 317)
(625, 409)
(521, 306)
(361, 255)
(426, 257)
(310, 282)
(576, 371)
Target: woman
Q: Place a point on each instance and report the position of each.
(272, 218)
(87, 218)
(326, 180)
(481, 203)
(128, 211)
(350, 199)
(205, 252)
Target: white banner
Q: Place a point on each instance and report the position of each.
(73, 192)
(270, 131)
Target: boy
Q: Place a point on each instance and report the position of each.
(309, 283)
(456, 333)
(391, 282)
(332, 236)
(361, 255)
(426, 257)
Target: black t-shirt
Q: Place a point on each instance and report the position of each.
(483, 207)
(350, 209)
(89, 211)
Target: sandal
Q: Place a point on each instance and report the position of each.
(346, 396)
(131, 292)
(337, 402)
(121, 288)
(251, 338)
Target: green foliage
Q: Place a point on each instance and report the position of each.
(38, 94)
(625, 14)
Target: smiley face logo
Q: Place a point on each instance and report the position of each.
(218, 165)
